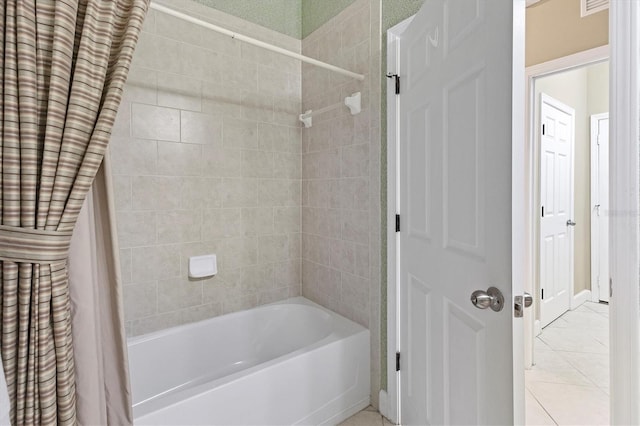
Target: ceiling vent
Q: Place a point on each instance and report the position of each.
(588, 7)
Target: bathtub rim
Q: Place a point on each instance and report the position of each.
(298, 300)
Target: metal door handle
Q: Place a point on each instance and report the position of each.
(492, 298)
(521, 302)
(571, 223)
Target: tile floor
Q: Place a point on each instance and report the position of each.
(367, 417)
(569, 385)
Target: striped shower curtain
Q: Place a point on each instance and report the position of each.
(64, 64)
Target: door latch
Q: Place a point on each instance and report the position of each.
(521, 302)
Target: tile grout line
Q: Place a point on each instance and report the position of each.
(580, 371)
(541, 406)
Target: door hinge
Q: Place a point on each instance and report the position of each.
(543, 130)
(610, 287)
(397, 361)
(542, 211)
(397, 223)
(542, 295)
(397, 79)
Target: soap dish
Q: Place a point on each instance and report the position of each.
(203, 266)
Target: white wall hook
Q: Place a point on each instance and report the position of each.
(306, 118)
(354, 102)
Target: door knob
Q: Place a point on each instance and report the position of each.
(571, 223)
(521, 302)
(492, 298)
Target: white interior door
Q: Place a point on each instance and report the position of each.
(600, 206)
(455, 191)
(556, 210)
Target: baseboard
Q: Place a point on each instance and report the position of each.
(580, 298)
(574, 303)
(344, 414)
(383, 402)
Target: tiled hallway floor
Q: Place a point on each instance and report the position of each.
(569, 385)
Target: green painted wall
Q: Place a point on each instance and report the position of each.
(297, 18)
(396, 11)
(393, 12)
(317, 12)
(284, 16)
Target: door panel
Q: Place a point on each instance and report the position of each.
(464, 163)
(464, 370)
(557, 199)
(418, 165)
(418, 359)
(455, 137)
(420, 121)
(461, 21)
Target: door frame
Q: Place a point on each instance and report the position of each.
(569, 110)
(595, 248)
(531, 164)
(624, 194)
(389, 400)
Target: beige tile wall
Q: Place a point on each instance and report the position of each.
(341, 174)
(207, 159)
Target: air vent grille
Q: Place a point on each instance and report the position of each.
(588, 7)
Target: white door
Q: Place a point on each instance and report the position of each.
(600, 205)
(455, 189)
(556, 208)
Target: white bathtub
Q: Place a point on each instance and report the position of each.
(287, 363)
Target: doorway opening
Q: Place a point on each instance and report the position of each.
(567, 352)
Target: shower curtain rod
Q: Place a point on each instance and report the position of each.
(254, 41)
